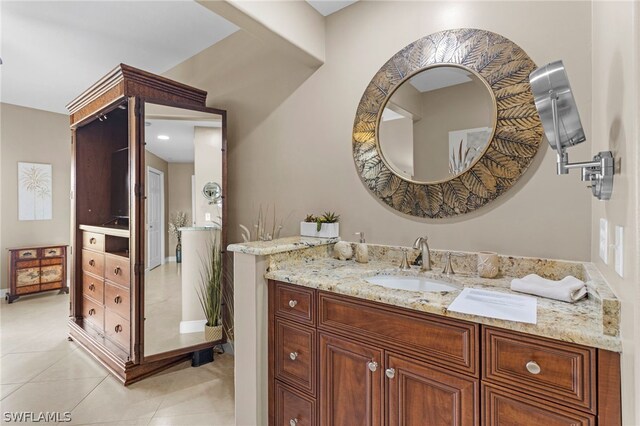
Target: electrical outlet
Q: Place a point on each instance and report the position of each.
(618, 250)
(604, 240)
(207, 216)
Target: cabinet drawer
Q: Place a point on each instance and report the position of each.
(93, 287)
(93, 262)
(556, 371)
(52, 252)
(295, 355)
(437, 340)
(50, 286)
(295, 302)
(93, 312)
(293, 408)
(117, 299)
(506, 408)
(93, 241)
(28, 254)
(117, 329)
(28, 289)
(117, 269)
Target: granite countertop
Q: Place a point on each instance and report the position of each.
(281, 245)
(593, 321)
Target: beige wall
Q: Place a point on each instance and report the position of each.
(208, 168)
(37, 136)
(179, 194)
(396, 143)
(158, 163)
(616, 111)
(290, 127)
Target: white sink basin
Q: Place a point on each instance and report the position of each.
(401, 282)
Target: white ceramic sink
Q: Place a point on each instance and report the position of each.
(401, 282)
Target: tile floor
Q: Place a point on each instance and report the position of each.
(41, 371)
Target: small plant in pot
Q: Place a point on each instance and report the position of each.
(210, 292)
(325, 226)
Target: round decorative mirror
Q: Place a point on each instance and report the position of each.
(447, 124)
(212, 192)
(437, 124)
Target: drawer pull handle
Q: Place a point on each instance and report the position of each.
(390, 373)
(53, 251)
(293, 356)
(293, 422)
(117, 270)
(92, 262)
(118, 328)
(533, 367)
(293, 303)
(92, 287)
(27, 254)
(92, 240)
(117, 300)
(373, 366)
(92, 311)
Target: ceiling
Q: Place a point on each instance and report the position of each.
(439, 77)
(179, 147)
(53, 50)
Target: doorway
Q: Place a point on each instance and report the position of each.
(155, 217)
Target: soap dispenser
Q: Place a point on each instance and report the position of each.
(362, 252)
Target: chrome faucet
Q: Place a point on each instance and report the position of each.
(421, 243)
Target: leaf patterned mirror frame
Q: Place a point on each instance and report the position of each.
(505, 68)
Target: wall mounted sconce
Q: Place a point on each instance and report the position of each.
(561, 121)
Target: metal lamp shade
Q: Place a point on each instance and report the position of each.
(546, 82)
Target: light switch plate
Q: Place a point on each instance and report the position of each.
(618, 250)
(604, 241)
(207, 216)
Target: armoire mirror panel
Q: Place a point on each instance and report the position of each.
(437, 124)
(183, 152)
(397, 171)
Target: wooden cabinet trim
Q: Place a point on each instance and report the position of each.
(568, 371)
(291, 404)
(295, 303)
(609, 388)
(443, 341)
(300, 341)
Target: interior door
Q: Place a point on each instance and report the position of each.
(154, 217)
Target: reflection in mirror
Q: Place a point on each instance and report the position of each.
(183, 153)
(437, 123)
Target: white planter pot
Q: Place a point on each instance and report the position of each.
(327, 230)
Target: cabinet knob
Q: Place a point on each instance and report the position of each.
(92, 240)
(118, 328)
(373, 366)
(390, 373)
(293, 356)
(92, 287)
(293, 422)
(117, 270)
(92, 311)
(293, 303)
(52, 252)
(533, 367)
(27, 254)
(92, 262)
(117, 300)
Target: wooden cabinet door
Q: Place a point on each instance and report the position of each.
(421, 395)
(351, 384)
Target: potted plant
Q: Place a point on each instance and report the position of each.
(325, 226)
(177, 221)
(210, 292)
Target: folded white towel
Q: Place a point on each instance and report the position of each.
(569, 289)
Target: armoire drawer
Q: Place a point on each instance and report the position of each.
(117, 329)
(93, 262)
(93, 287)
(117, 269)
(93, 312)
(93, 241)
(117, 299)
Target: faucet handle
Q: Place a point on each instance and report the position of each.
(404, 264)
(447, 269)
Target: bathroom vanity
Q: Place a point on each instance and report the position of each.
(343, 351)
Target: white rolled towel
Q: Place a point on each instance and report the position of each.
(569, 289)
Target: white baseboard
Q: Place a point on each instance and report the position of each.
(3, 292)
(170, 259)
(192, 326)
